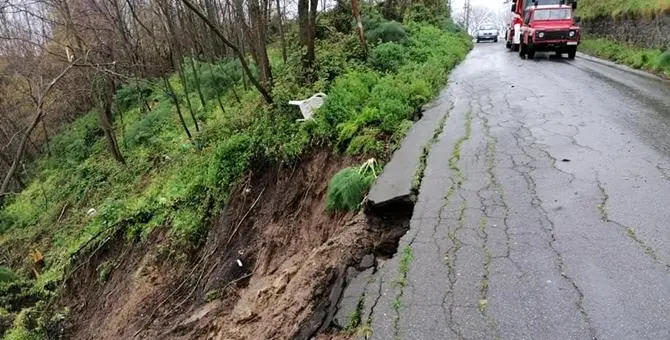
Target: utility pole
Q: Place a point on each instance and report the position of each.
(466, 8)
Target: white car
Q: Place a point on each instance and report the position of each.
(487, 32)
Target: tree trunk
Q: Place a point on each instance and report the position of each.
(263, 91)
(355, 7)
(281, 32)
(218, 89)
(46, 138)
(17, 177)
(258, 27)
(313, 5)
(22, 144)
(182, 76)
(307, 21)
(175, 100)
(105, 117)
(196, 76)
(303, 21)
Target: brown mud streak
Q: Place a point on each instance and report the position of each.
(291, 250)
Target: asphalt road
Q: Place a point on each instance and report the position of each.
(544, 211)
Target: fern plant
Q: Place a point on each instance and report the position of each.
(6, 275)
(347, 189)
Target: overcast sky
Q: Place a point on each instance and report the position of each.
(494, 5)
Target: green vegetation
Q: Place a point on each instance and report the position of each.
(639, 58)
(614, 8)
(423, 159)
(347, 188)
(174, 182)
(6, 275)
(355, 317)
(456, 152)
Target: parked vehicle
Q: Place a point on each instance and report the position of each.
(543, 25)
(487, 32)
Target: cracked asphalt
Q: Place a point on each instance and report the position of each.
(544, 210)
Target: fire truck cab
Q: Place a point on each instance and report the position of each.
(543, 25)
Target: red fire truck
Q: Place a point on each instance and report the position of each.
(543, 25)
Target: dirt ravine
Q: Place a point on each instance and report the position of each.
(266, 270)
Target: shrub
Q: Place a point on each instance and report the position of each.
(348, 187)
(420, 13)
(20, 328)
(636, 57)
(131, 94)
(75, 143)
(215, 79)
(149, 127)
(663, 61)
(386, 31)
(388, 57)
(6, 275)
(229, 160)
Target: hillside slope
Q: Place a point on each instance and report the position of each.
(634, 33)
(145, 244)
(589, 9)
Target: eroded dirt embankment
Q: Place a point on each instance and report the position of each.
(271, 267)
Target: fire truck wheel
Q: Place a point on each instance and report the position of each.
(522, 51)
(572, 52)
(515, 47)
(530, 52)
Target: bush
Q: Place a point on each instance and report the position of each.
(386, 31)
(229, 160)
(130, 95)
(388, 57)
(6, 275)
(636, 57)
(149, 127)
(75, 144)
(348, 187)
(21, 328)
(663, 62)
(420, 13)
(215, 79)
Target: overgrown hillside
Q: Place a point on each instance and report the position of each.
(589, 9)
(634, 33)
(654, 60)
(179, 167)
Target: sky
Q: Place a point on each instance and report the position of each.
(499, 9)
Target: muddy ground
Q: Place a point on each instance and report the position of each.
(271, 267)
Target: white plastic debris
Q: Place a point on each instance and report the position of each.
(239, 263)
(91, 212)
(308, 106)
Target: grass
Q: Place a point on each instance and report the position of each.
(176, 184)
(347, 189)
(406, 259)
(423, 158)
(589, 9)
(456, 152)
(653, 60)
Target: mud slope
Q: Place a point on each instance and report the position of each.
(291, 253)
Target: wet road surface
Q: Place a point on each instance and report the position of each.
(544, 210)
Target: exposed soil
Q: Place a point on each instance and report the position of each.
(265, 271)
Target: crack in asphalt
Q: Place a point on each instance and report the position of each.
(536, 203)
(630, 232)
(404, 280)
(456, 244)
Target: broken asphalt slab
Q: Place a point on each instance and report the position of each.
(394, 190)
